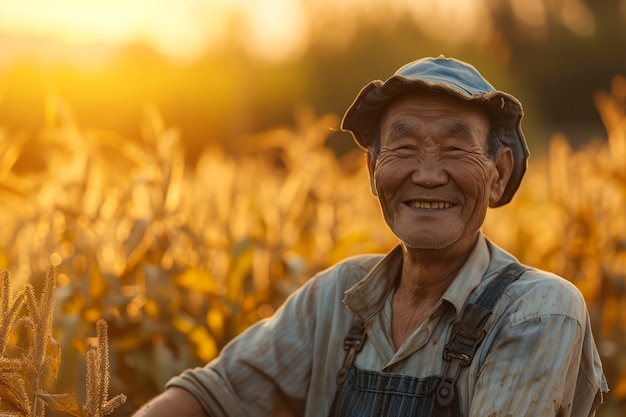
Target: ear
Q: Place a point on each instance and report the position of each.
(504, 167)
(371, 165)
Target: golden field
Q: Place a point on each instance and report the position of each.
(178, 259)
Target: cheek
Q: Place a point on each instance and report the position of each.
(390, 172)
(473, 175)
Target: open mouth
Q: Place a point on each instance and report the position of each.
(430, 205)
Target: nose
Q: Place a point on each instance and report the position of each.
(429, 172)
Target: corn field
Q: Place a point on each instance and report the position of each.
(176, 260)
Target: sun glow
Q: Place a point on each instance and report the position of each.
(275, 28)
(185, 29)
(174, 30)
(267, 29)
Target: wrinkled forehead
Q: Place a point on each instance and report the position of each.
(444, 113)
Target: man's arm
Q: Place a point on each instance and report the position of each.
(173, 401)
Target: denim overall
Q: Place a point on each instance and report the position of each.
(363, 393)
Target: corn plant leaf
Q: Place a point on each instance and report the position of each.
(98, 285)
(53, 351)
(242, 257)
(197, 279)
(206, 347)
(65, 403)
(12, 391)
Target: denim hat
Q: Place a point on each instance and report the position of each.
(452, 77)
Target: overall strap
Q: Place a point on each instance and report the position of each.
(352, 344)
(468, 332)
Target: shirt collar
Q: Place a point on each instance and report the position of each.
(470, 275)
(367, 297)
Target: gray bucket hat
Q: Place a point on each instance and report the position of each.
(449, 76)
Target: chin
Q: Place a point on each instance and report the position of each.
(426, 243)
(431, 241)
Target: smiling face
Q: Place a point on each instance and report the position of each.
(432, 176)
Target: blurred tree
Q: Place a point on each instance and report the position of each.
(564, 65)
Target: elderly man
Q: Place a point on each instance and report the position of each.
(446, 324)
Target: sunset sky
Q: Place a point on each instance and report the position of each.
(184, 29)
(272, 29)
(181, 29)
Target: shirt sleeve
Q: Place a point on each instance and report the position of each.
(267, 370)
(262, 372)
(543, 361)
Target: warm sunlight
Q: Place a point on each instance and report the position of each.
(182, 30)
(456, 20)
(269, 29)
(175, 28)
(172, 170)
(275, 28)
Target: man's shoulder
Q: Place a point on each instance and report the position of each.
(348, 271)
(539, 293)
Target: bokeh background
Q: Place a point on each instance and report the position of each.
(180, 162)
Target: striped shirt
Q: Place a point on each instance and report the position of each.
(537, 359)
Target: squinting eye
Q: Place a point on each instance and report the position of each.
(406, 149)
(455, 149)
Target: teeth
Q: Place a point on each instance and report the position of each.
(434, 205)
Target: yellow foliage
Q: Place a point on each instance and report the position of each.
(26, 366)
